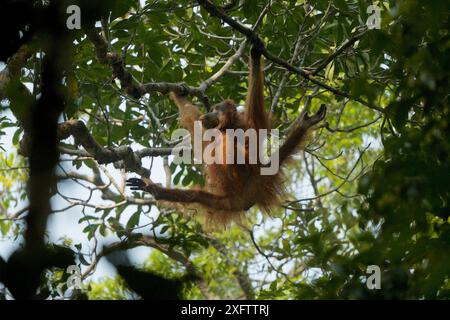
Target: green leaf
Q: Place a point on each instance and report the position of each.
(134, 220)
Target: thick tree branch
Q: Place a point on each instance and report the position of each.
(77, 129)
(130, 85)
(254, 38)
(136, 90)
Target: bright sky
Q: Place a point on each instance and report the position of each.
(65, 224)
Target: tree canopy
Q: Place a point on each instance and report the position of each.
(83, 109)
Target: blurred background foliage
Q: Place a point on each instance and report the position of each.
(372, 188)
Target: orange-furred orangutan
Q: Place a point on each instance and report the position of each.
(231, 189)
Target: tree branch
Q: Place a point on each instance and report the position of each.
(164, 248)
(349, 42)
(254, 38)
(241, 276)
(77, 129)
(130, 85)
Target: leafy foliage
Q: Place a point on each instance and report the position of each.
(372, 188)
